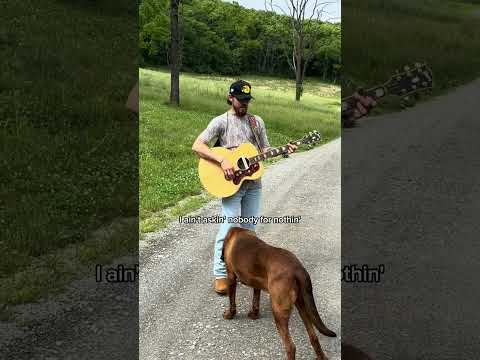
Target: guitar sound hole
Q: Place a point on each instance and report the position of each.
(243, 163)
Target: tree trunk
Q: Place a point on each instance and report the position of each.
(298, 82)
(174, 54)
(298, 69)
(263, 67)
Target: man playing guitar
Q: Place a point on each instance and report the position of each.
(233, 128)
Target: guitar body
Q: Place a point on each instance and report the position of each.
(212, 176)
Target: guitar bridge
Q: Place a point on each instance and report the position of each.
(240, 174)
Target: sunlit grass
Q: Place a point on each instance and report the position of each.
(69, 157)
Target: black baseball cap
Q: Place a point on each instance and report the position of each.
(241, 89)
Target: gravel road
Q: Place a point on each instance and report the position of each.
(410, 201)
(89, 321)
(181, 316)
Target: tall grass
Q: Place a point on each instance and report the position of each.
(382, 36)
(69, 157)
(168, 167)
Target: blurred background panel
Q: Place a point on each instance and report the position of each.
(410, 173)
(69, 177)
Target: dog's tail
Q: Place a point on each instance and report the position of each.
(311, 308)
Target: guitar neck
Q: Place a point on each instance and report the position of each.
(272, 153)
(416, 78)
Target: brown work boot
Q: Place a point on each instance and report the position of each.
(221, 286)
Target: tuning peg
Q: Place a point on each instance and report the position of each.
(418, 65)
(428, 75)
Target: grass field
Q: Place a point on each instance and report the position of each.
(168, 167)
(381, 36)
(69, 156)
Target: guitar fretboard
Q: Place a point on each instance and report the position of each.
(272, 153)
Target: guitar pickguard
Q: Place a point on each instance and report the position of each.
(240, 174)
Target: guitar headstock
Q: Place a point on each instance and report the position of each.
(412, 79)
(312, 137)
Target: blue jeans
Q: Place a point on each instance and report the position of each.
(244, 203)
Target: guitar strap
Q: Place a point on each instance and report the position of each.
(253, 125)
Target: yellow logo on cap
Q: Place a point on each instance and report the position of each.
(246, 89)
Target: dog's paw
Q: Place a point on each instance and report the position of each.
(253, 315)
(228, 315)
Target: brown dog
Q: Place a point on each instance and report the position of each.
(280, 273)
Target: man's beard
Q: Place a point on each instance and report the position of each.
(241, 110)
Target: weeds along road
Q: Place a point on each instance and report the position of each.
(411, 201)
(181, 316)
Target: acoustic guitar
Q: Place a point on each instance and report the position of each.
(247, 164)
(411, 80)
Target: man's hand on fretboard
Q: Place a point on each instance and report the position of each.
(355, 107)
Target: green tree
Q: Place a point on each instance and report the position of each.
(153, 32)
(303, 34)
(225, 38)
